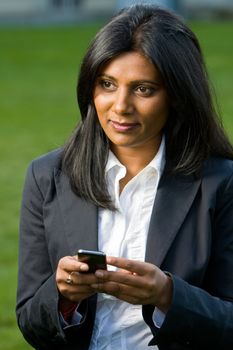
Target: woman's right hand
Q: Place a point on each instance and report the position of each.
(79, 287)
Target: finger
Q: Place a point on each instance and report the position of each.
(122, 277)
(123, 292)
(71, 263)
(74, 289)
(134, 266)
(76, 279)
(77, 297)
(83, 279)
(75, 292)
(111, 288)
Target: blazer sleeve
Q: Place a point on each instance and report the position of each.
(201, 317)
(37, 294)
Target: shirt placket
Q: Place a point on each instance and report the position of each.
(134, 236)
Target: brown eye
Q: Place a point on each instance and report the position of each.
(145, 90)
(107, 85)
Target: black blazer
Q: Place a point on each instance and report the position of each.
(190, 236)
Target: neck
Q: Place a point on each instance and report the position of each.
(134, 159)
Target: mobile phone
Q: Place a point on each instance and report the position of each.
(95, 259)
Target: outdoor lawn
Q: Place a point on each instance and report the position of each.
(38, 73)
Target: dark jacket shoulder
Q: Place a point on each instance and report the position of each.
(45, 164)
(219, 168)
(219, 164)
(42, 170)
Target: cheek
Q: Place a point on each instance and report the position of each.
(101, 112)
(102, 104)
(162, 109)
(156, 122)
(156, 113)
(97, 104)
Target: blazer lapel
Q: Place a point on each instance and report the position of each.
(174, 198)
(79, 217)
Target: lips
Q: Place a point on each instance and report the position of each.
(123, 127)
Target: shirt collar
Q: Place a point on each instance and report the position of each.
(157, 163)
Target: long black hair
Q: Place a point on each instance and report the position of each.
(193, 131)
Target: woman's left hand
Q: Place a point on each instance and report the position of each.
(136, 282)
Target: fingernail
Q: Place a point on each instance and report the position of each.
(99, 274)
(84, 267)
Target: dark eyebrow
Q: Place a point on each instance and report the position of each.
(134, 82)
(144, 81)
(105, 76)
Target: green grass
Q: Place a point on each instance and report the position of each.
(38, 70)
(215, 39)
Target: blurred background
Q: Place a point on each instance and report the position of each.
(42, 43)
(73, 11)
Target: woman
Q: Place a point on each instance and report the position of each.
(147, 177)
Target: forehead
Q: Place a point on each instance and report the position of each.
(131, 65)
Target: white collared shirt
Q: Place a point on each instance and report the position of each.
(123, 233)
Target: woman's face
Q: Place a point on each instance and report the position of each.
(131, 102)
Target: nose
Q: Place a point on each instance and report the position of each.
(123, 104)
